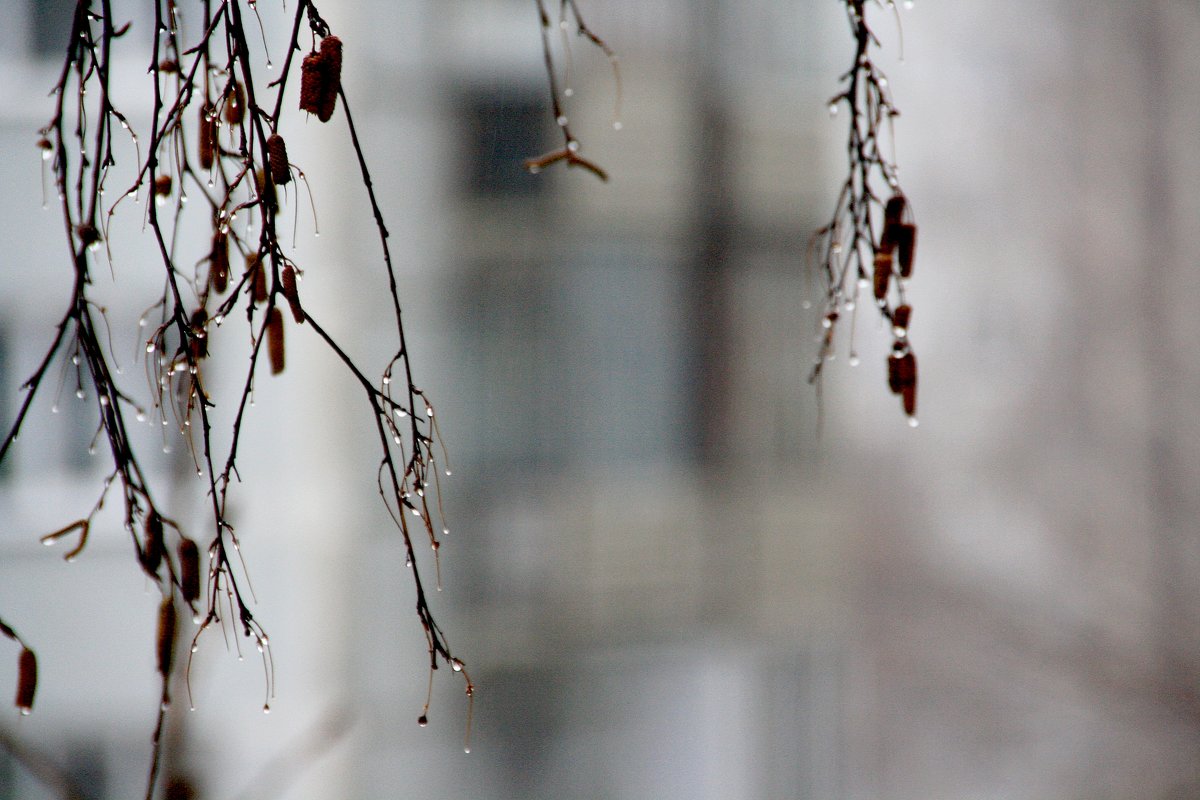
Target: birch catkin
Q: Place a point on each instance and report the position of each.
(189, 570)
(166, 636)
(277, 159)
(275, 339)
(26, 680)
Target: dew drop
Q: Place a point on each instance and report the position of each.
(806, 305)
(448, 473)
(166, 705)
(573, 146)
(46, 155)
(25, 712)
(913, 422)
(445, 531)
(150, 347)
(908, 5)
(467, 749)
(195, 648)
(422, 720)
(141, 416)
(562, 120)
(456, 665)
(79, 393)
(568, 92)
(854, 360)
(833, 109)
(387, 379)
(863, 283)
(266, 709)
(617, 125)
(54, 409)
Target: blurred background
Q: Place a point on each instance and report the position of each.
(666, 578)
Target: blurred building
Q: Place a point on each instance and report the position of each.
(666, 578)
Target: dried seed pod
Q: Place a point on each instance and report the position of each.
(198, 338)
(275, 340)
(154, 547)
(258, 279)
(189, 570)
(207, 136)
(162, 185)
(218, 270)
(235, 104)
(287, 280)
(900, 319)
(26, 680)
(166, 636)
(883, 274)
(906, 245)
(277, 159)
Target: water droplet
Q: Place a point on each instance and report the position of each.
(183, 199)
(150, 347)
(79, 393)
(806, 305)
(908, 4)
(863, 283)
(54, 409)
(833, 109)
(266, 709)
(573, 146)
(166, 705)
(913, 422)
(387, 379)
(850, 304)
(617, 125)
(428, 411)
(467, 749)
(456, 665)
(195, 648)
(25, 711)
(448, 473)
(141, 416)
(46, 155)
(416, 512)
(422, 720)
(562, 120)
(568, 92)
(854, 360)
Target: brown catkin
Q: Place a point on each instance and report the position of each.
(218, 271)
(153, 547)
(207, 135)
(901, 317)
(883, 274)
(906, 245)
(277, 159)
(162, 185)
(198, 335)
(235, 104)
(310, 82)
(275, 339)
(287, 280)
(166, 636)
(893, 212)
(321, 78)
(258, 279)
(189, 570)
(26, 680)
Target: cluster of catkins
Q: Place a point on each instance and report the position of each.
(894, 258)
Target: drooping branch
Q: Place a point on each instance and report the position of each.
(868, 245)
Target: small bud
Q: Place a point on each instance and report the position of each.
(277, 159)
(275, 340)
(287, 281)
(87, 233)
(168, 66)
(26, 680)
(162, 185)
(166, 636)
(189, 570)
